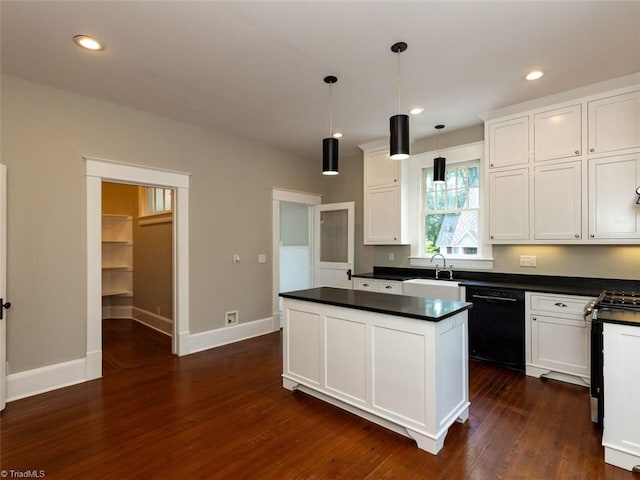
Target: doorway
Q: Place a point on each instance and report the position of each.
(97, 171)
(137, 279)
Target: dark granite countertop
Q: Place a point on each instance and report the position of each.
(590, 287)
(429, 309)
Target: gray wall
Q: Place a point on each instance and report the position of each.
(46, 131)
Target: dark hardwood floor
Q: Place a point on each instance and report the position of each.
(223, 414)
(127, 344)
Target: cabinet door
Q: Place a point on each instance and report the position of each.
(561, 344)
(380, 170)
(509, 142)
(557, 133)
(509, 205)
(614, 123)
(613, 212)
(558, 201)
(382, 215)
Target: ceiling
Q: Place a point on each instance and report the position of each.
(256, 69)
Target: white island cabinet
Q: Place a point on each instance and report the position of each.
(406, 373)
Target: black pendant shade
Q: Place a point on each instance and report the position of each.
(330, 144)
(399, 137)
(330, 156)
(439, 165)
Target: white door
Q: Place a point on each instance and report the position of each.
(3, 285)
(333, 246)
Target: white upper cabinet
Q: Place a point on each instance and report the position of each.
(380, 170)
(583, 166)
(385, 198)
(509, 205)
(613, 212)
(508, 142)
(558, 201)
(614, 123)
(558, 133)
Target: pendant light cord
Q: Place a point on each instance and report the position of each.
(330, 109)
(399, 81)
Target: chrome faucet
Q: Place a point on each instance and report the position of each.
(444, 266)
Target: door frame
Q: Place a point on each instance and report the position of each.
(97, 171)
(289, 196)
(3, 284)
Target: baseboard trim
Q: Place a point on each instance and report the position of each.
(153, 320)
(45, 379)
(225, 335)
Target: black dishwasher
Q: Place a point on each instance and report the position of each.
(496, 326)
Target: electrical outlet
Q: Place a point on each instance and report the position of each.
(527, 260)
(262, 258)
(231, 318)
(236, 258)
(392, 257)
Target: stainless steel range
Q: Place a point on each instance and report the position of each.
(616, 306)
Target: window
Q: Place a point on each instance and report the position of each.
(155, 205)
(158, 200)
(451, 209)
(448, 218)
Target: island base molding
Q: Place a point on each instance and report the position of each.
(407, 375)
(426, 442)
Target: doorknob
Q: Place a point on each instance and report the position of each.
(3, 306)
(349, 274)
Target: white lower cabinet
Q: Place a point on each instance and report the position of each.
(621, 437)
(408, 375)
(374, 285)
(557, 337)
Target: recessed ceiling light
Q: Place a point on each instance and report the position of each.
(416, 111)
(90, 43)
(535, 75)
(337, 135)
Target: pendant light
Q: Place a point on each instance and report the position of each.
(399, 124)
(439, 163)
(330, 144)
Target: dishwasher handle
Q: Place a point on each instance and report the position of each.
(500, 299)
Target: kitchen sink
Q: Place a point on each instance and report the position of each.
(432, 288)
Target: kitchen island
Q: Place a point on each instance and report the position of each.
(399, 361)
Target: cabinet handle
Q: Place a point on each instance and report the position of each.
(395, 179)
(395, 238)
(491, 164)
(592, 149)
(577, 235)
(577, 152)
(365, 284)
(491, 236)
(388, 287)
(534, 318)
(592, 236)
(560, 304)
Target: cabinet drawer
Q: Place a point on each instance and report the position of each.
(568, 304)
(394, 288)
(365, 284)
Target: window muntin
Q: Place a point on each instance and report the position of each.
(158, 200)
(451, 210)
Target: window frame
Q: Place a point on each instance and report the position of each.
(458, 154)
(437, 192)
